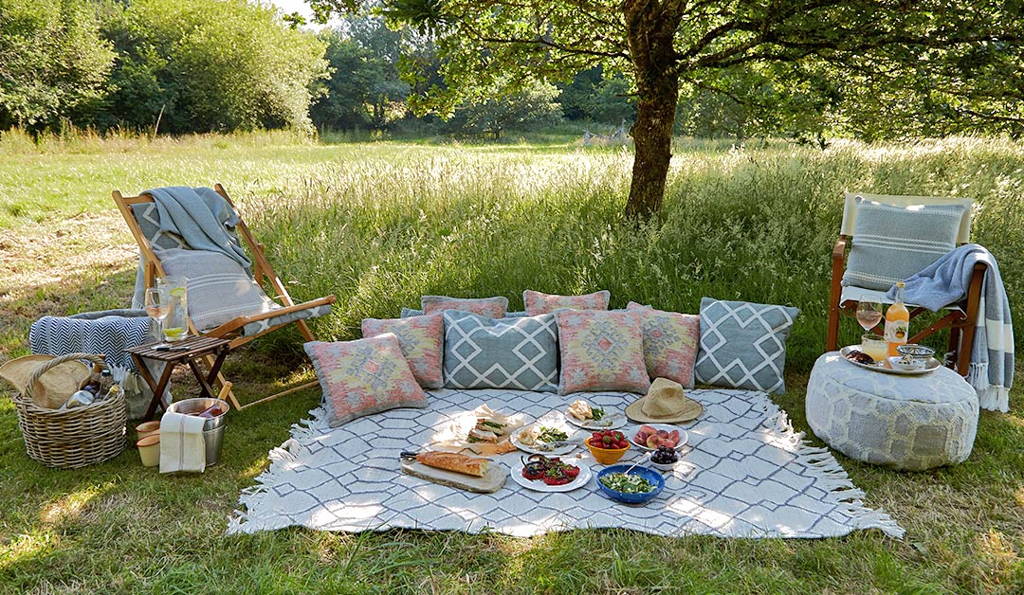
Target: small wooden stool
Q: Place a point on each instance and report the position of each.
(187, 351)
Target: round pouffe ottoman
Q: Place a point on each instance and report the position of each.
(904, 422)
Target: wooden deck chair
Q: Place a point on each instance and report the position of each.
(960, 318)
(141, 215)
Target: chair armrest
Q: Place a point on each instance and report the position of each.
(839, 251)
(236, 323)
(838, 268)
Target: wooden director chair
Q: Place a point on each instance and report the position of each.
(960, 318)
(142, 217)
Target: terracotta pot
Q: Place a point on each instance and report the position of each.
(146, 429)
(149, 450)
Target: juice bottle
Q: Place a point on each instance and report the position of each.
(897, 322)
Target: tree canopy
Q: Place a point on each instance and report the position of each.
(924, 51)
(197, 66)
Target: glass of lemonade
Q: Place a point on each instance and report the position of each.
(176, 323)
(875, 345)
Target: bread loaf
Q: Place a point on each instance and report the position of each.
(451, 461)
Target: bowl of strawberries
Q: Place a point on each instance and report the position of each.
(607, 446)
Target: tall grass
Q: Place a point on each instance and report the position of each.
(73, 140)
(754, 224)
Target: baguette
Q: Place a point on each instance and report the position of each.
(458, 463)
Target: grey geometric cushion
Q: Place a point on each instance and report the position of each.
(517, 353)
(743, 345)
(219, 289)
(905, 422)
(892, 242)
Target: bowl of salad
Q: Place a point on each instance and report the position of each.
(640, 485)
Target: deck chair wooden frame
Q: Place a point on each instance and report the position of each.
(231, 330)
(960, 320)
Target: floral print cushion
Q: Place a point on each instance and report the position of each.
(421, 339)
(671, 341)
(601, 351)
(363, 377)
(541, 303)
(492, 307)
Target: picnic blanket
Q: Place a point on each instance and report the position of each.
(945, 282)
(202, 218)
(746, 473)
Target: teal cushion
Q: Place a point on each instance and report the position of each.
(518, 353)
(743, 345)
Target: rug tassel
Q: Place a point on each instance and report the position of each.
(837, 481)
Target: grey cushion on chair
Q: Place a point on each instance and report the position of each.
(892, 242)
(219, 289)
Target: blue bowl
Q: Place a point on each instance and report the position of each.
(647, 473)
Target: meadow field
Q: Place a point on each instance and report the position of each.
(380, 223)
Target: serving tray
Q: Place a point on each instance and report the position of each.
(489, 483)
(886, 366)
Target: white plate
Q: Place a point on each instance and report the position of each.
(683, 436)
(886, 367)
(614, 422)
(540, 486)
(569, 446)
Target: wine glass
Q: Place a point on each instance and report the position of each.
(157, 307)
(869, 314)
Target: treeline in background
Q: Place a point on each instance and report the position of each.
(185, 66)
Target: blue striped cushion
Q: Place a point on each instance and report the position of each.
(893, 242)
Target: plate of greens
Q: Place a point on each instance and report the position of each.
(545, 438)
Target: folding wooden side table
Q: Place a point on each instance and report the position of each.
(187, 351)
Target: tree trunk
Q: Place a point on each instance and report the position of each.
(651, 31)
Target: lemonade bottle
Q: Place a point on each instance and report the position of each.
(897, 322)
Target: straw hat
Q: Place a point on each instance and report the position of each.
(665, 402)
(54, 387)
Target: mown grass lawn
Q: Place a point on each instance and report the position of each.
(379, 224)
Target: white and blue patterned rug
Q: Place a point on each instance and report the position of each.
(746, 473)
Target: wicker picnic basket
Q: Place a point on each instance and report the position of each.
(71, 438)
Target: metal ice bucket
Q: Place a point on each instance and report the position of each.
(213, 429)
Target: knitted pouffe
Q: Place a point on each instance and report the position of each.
(904, 422)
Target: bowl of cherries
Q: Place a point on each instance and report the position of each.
(664, 459)
(607, 446)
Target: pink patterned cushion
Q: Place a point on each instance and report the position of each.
(363, 377)
(422, 342)
(492, 307)
(541, 303)
(601, 351)
(670, 343)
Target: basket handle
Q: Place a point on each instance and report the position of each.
(53, 363)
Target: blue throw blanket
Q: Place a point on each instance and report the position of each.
(108, 333)
(945, 282)
(202, 218)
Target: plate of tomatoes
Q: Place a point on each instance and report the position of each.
(550, 474)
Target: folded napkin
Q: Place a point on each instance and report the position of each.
(182, 447)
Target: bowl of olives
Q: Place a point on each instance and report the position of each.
(664, 459)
